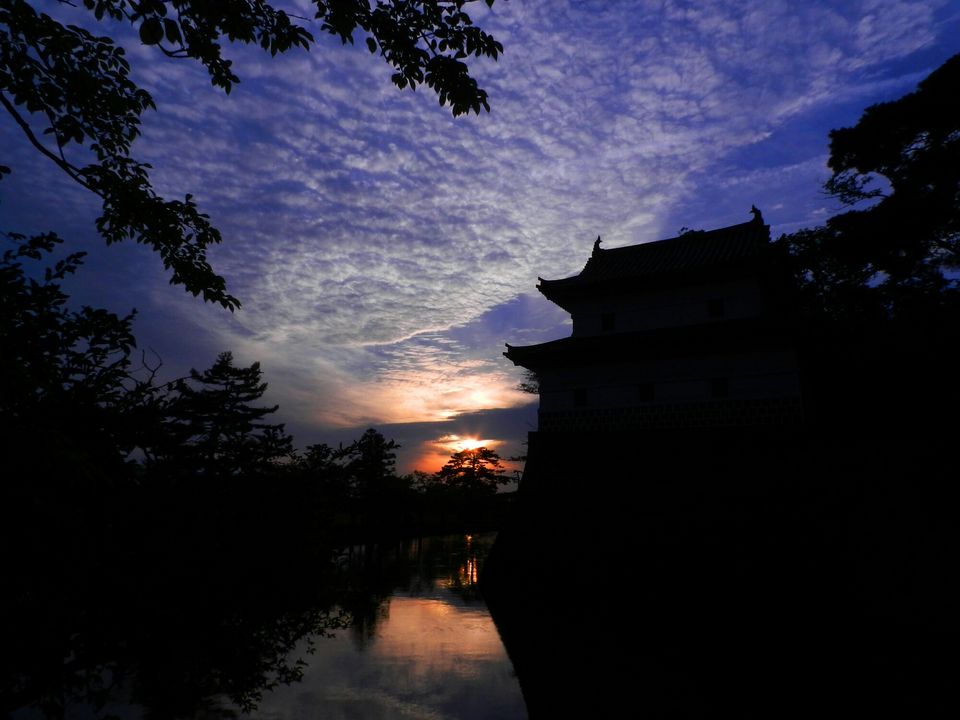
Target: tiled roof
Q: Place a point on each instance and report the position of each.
(696, 249)
(686, 340)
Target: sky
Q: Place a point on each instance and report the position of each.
(384, 251)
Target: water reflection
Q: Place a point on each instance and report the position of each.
(422, 644)
(418, 642)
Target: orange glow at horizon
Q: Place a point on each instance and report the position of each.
(436, 453)
(457, 443)
(432, 394)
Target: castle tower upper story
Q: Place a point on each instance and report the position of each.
(691, 331)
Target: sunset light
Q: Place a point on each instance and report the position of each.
(434, 453)
(335, 330)
(459, 444)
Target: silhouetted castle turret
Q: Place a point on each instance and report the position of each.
(689, 332)
(748, 548)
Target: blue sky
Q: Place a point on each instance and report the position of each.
(384, 251)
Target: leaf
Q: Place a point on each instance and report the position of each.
(171, 30)
(372, 44)
(151, 31)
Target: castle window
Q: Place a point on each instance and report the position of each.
(607, 322)
(716, 308)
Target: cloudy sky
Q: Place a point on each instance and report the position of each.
(384, 251)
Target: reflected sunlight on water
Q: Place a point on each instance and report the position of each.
(433, 653)
(421, 645)
(441, 639)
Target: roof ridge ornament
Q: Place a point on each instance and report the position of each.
(757, 216)
(596, 245)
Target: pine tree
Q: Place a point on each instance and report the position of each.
(214, 428)
(477, 471)
(370, 464)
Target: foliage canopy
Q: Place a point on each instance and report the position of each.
(71, 93)
(898, 256)
(369, 464)
(119, 496)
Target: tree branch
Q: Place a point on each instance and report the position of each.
(69, 169)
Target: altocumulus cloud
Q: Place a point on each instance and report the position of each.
(382, 248)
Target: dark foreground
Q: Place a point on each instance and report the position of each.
(761, 575)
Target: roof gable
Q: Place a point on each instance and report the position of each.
(691, 251)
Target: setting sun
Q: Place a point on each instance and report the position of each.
(434, 453)
(459, 444)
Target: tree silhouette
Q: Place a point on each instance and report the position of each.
(110, 554)
(473, 472)
(370, 464)
(530, 383)
(64, 86)
(898, 256)
(213, 428)
(71, 401)
(319, 468)
(878, 284)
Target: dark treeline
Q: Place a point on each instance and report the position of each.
(169, 531)
(146, 527)
(372, 502)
